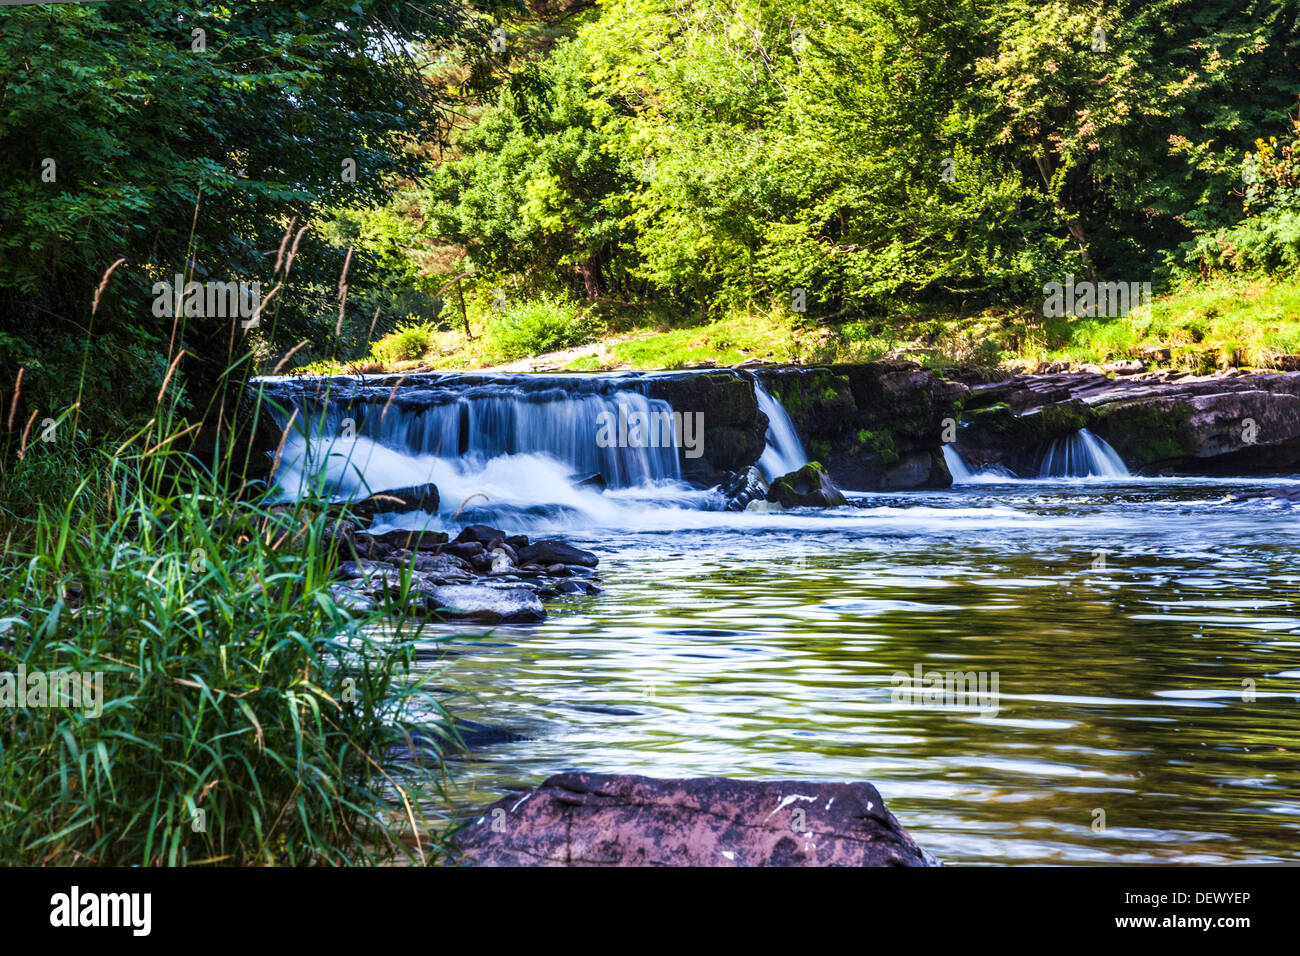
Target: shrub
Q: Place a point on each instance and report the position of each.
(409, 341)
(539, 325)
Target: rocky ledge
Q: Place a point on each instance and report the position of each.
(1159, 422)
(586, 819)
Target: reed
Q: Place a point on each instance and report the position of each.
(242, 715)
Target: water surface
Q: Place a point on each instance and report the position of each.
(1145, 636)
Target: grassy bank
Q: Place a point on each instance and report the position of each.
(217, 706)
(1253, 323)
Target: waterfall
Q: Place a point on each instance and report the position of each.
(784, 452)
(1082, 454)
(957, 467)
(502, 449)
(963, 474)
(360, 435)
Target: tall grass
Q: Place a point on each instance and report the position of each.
(246, 716)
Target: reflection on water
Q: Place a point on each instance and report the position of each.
(1145, 637)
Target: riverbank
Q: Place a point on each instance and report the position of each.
(1228, 323)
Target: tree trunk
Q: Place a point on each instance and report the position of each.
(590, 271)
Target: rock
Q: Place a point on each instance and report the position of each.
(356, 570)
(1235, 430)
(464, 549)
(439, 563)
(810, 486)
(1126, 367)
(486, 605)
(350, 599)
(745, 486)
(343, 531)
(583, 819)
(410, 540)
(431, 742)
(499, 544)
(397, 501)
(1156, 354)
(734, 428)
(480, 533)
(553, 551)
(596, 481)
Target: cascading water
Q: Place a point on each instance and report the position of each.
(1082, 454)
(508, 444)
(784, 452)
(963, 474)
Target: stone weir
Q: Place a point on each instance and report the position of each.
(873, 426)
(1159, 423)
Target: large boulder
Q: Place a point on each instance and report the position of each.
(809, 487)
(584, 819)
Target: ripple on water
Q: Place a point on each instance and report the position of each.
(765, 646)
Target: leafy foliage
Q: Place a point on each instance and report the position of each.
(543, 324)
(872, 152)
(125, 134)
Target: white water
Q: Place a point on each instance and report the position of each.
(784, 452)
(964, 474)
(1082, 455)
(507, 452)
(504, 451)
(1078, 455)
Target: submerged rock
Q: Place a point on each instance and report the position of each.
(810, 486)
(485, 605)
(596, 481)
(584, 819)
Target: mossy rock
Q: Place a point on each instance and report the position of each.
(998, 434)
(1148, 433)
(808, 487)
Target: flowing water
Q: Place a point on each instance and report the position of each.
(784, 452)
(1143, 634)
(1081, 455)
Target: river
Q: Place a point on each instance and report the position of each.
(1144, 634)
